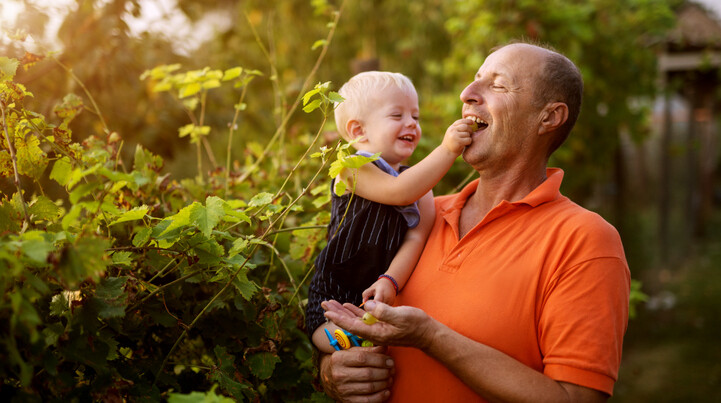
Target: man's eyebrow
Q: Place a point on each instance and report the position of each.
(494, 75)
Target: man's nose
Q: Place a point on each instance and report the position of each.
(470, 94)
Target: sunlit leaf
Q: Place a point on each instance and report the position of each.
(136, 213)
(44, 209)
(261, 199)
(233, 73)
(8, 67)
(318, 43)
(189, 89)
(313, 105)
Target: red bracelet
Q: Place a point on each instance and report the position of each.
(395, 284)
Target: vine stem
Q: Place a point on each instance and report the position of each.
(87, 92)
(302, 158)
(302, 91)
(231, 130)
(14, 159)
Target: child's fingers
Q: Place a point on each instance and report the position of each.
(368, 293)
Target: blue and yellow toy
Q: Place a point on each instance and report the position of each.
(343, 340)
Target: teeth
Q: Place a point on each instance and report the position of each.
(477, 120)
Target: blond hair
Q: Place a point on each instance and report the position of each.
(359, 93)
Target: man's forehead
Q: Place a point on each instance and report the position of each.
(509, 59)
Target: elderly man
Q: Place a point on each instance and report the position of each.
(520, 294)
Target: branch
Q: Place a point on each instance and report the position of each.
(13, 156)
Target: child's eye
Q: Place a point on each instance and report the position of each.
(416, 117)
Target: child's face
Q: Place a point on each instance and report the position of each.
(391, 127)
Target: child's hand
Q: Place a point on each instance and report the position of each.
(458, 135)
(382, 291)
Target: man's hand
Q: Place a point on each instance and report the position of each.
(360, 374)
(397, 326)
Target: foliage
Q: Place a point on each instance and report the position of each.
(136, 286)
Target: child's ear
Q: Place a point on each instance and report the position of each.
(553, 117)
(354, 129)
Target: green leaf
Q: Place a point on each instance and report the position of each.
(239, 246)
(210, 84)
(142, 236)
(262, 364)
(44, 209)
(137, 213)
(82, 260)
(357, 161)
(335, 97)
(189, 90)
(9, 218)
(199, 397)
(318, 43)
(36, 247)
(61, 171)
(122, 258)
(246, 288)
(32, 161)
(261, 199)
(180, 219)
(312, 106)
(8, 67)
(207, 217)
(339, 187)
(308, 95)
(233, 73)
(111, 298)
(71, 106)
(209, 251)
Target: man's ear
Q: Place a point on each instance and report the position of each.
(354, 129)
(553, 116)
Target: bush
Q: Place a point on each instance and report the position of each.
(137, 286)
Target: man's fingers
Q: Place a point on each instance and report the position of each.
(354, 309)
(366, 391)
(364, 357)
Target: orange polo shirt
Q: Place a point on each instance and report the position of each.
(542, 279)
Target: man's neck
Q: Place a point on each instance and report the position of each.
(493, 188)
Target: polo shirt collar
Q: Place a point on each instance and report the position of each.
(547, 191)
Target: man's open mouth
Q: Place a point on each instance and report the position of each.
(479, 123)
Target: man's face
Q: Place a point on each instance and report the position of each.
(501, 97)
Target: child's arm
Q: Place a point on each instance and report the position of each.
(320, 339)
(374, 184)
(407, 256)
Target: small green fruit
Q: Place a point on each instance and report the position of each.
(369, 319)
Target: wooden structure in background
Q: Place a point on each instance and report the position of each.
(690, 66)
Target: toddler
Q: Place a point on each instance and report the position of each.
(375, 242)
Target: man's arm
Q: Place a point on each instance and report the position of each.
(489, 372)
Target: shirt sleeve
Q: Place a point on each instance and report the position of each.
(583, 321)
